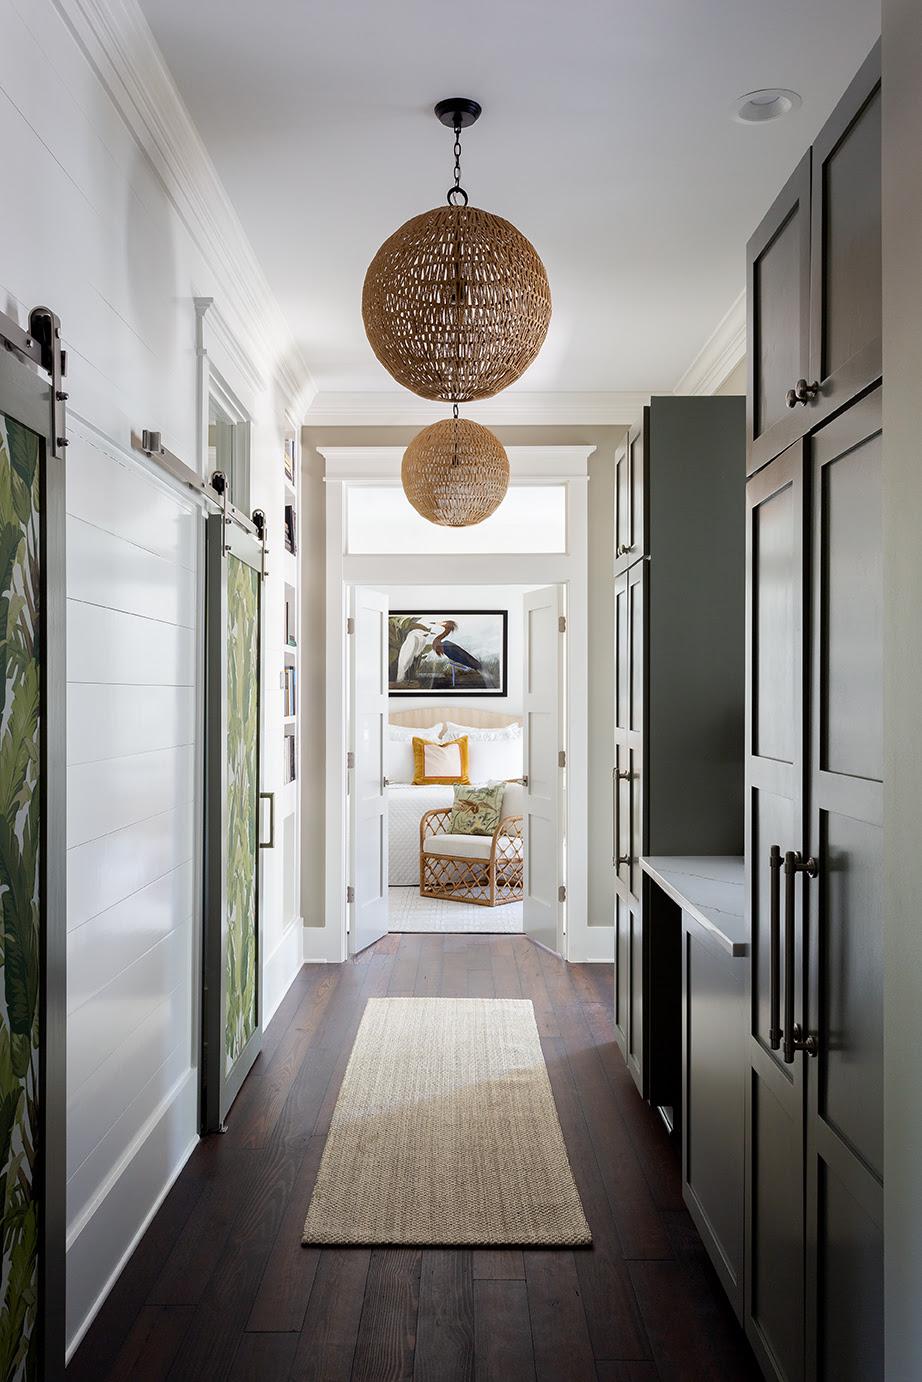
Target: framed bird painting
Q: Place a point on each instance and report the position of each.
(458, 652)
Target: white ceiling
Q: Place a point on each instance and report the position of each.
(606, 137)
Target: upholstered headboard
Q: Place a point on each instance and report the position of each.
(426, 716)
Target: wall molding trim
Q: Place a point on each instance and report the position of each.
(513, 408)
(720, 354)
(118, 43)
(371, 465)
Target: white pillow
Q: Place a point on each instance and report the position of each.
(398, 749)
(488, 735)
(494, 759)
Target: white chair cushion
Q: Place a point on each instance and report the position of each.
(514, 799)
(464, 846)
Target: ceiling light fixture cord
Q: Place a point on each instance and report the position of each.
(457, 190)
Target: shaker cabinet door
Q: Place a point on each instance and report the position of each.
(774, 1272)
(845, 293)
(843, 1018)
(631, 518)
(778, 327)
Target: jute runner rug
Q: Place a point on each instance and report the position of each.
(445, 1132)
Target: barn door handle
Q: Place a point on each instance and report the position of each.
(774, 962)
(794, 863)
(270, 843)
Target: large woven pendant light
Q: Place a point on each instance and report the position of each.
(455, 473)
(456, 303)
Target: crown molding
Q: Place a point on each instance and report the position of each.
(117, 42)
(514, 408)
(720, 354)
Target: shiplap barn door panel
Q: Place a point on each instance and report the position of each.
(133, 846)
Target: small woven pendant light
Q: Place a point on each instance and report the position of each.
(456, 303)
(455, 473)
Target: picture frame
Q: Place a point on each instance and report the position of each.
(438, 653)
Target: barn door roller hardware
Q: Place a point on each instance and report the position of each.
(42, 345)
(215, 490)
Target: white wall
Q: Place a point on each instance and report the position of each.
(448, 597)
(113, 217)
(902, 345)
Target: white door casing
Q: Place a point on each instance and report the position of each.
(544, 742)
(367, 795)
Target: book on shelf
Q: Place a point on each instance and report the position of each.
(290, 639)
(289, 758)
(291, 542)
(290, 459)
(290, 688)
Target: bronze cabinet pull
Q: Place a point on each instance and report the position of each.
(794, 863)
(617, 775)
(774, 963)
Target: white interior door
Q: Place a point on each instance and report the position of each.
(544, 743)
(367, 796)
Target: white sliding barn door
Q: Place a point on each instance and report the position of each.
(367, 796)
(544, 741)
(132, 843)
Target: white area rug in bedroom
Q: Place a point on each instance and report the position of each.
(407, 911)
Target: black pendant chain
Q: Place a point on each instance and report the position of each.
(457, 190)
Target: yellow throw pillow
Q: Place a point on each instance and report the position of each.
(442, 764)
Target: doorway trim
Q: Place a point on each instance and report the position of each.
(346, 467)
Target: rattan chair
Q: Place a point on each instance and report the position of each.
(487, 870)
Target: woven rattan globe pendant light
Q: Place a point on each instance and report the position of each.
(456, 303)
(455, 473)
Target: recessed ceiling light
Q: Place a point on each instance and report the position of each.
(770, 104)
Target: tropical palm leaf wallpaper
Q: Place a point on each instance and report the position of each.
(242, 801)
(20, 910)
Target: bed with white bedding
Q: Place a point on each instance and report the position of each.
(406, 805)
(496, 755)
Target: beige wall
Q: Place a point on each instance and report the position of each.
(902, 343)
(601, 657)
(735, 381)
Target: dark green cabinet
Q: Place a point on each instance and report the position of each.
(678, 694)
(813, 1270)
(813, 280)
(714, 1098)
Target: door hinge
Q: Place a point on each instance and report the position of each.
(562, 893)
(350, 625)
(350, 759)
(350, 893)
(562, 623)
(562, 758)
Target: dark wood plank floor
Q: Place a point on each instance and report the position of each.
(220, 1286)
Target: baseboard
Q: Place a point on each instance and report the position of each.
(593, 945)
(103, 1240)
(281, 968)
(321, 945)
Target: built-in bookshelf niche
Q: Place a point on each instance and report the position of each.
(289, 681)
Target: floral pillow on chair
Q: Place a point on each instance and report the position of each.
(477, 810)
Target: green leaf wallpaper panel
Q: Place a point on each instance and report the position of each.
(242, 801)
(20, 913)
